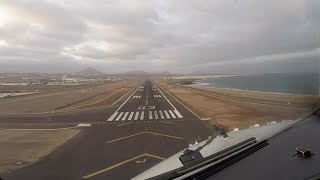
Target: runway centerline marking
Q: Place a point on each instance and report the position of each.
(144, 132)
(122, 163)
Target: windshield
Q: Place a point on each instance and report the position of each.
(108, 89)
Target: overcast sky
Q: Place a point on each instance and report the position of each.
(216, 36)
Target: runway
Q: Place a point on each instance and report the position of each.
(146, 128)
(146, 103)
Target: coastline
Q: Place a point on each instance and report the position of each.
(239, 109)
(271, 98)
(198, 83)
(250, 91)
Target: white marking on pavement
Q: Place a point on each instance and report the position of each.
(166, 113)
(115, 113)
(136, 116)
(125, 116)
(113, 116)
(161, 114)
(172, 114)
(156, 115)
(142, 115)
(150, 114)
(130, 116)
(119, 116)
(178, 114)
(164, 96)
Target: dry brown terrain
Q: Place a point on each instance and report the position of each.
(65, 99)
(20, 148)
(233, 114)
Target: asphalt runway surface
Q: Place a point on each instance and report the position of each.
(123, 141)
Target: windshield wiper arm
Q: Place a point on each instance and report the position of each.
(189, 156)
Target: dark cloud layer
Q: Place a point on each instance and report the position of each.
(220, 36)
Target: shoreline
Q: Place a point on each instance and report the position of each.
(196, 83)
(251, 91)
(249, 108)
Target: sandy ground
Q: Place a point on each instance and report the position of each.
(233, 114)
(19, 148)
(62, 99)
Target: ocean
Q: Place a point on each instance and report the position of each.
(300, 83)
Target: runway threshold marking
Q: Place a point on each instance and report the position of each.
(122, 163)
(144, 132)
(174, 108)
(116, 112)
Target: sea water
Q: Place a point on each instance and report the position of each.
(298, 83)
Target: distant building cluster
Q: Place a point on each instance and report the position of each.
(14, 84)
(69, 81)
(58, 79)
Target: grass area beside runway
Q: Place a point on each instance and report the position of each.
(92, 97)
(103, 99)
(230, 112)
(20, 148)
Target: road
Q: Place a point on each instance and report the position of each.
(122, 142)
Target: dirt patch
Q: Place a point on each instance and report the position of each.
(20, 148)
(233, 114)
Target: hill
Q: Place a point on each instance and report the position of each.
(89, 71)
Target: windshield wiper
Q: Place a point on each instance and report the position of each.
(189, 156)
(202, 167)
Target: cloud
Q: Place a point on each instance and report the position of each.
(117, 36)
